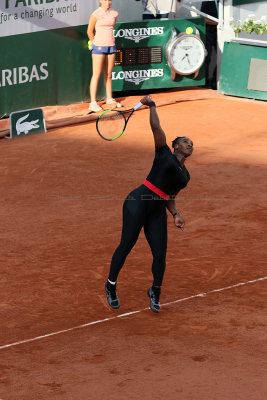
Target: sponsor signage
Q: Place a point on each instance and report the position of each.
(137, 76)
(25, 16)
(23, 74)
(140, 61)
(44, 68)
(45, 58)
(138, 34)
(26, 122)
(44, 54)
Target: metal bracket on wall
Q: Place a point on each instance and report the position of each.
(219, 20)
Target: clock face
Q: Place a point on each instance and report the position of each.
(187, 54)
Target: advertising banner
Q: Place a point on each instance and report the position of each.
(26, 122)
(141, 62)
(44, 58)
(26, 16)
(44, 68)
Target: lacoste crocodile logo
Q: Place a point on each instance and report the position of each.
(27, 126)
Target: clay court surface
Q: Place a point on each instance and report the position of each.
(61, 200)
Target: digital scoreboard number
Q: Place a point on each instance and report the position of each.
(138, 56)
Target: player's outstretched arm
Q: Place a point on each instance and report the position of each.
(159, 135)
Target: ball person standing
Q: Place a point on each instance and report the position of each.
(102, 43)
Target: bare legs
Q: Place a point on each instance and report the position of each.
(108, 68)
(99, 61)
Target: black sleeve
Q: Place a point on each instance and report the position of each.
(163, 149)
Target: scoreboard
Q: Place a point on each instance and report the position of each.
(140, 61)
(139, 56)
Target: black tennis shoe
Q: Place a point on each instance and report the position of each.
(112, 297)
(154, 300)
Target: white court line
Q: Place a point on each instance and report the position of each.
(129, 313)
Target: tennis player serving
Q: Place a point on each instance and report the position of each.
(146, 207)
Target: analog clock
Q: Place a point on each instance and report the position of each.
(185, 53)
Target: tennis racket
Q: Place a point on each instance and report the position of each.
(111, 124)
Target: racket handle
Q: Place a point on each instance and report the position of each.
(139, 105)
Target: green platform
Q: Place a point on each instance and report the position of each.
(235, 69)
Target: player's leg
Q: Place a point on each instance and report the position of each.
(156, 234)
(133, 220)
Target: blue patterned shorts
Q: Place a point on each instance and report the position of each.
(103, 49)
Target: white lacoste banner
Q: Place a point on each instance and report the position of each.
(26, 16)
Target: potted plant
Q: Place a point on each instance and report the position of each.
(250, 28)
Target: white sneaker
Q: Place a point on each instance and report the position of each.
(113, 101)
(94, 107)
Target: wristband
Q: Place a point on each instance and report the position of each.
(176, 213)
(151, 104)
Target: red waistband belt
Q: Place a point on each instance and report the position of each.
(156, 190)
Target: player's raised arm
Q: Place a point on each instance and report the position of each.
(159, 135)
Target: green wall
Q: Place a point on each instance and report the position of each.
(44, 68)
(235, 70)
(239, 2)
(54, 67)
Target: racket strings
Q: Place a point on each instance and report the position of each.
(111, 124)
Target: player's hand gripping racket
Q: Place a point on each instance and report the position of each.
(111, 124)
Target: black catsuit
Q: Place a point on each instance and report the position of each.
(144, 208)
